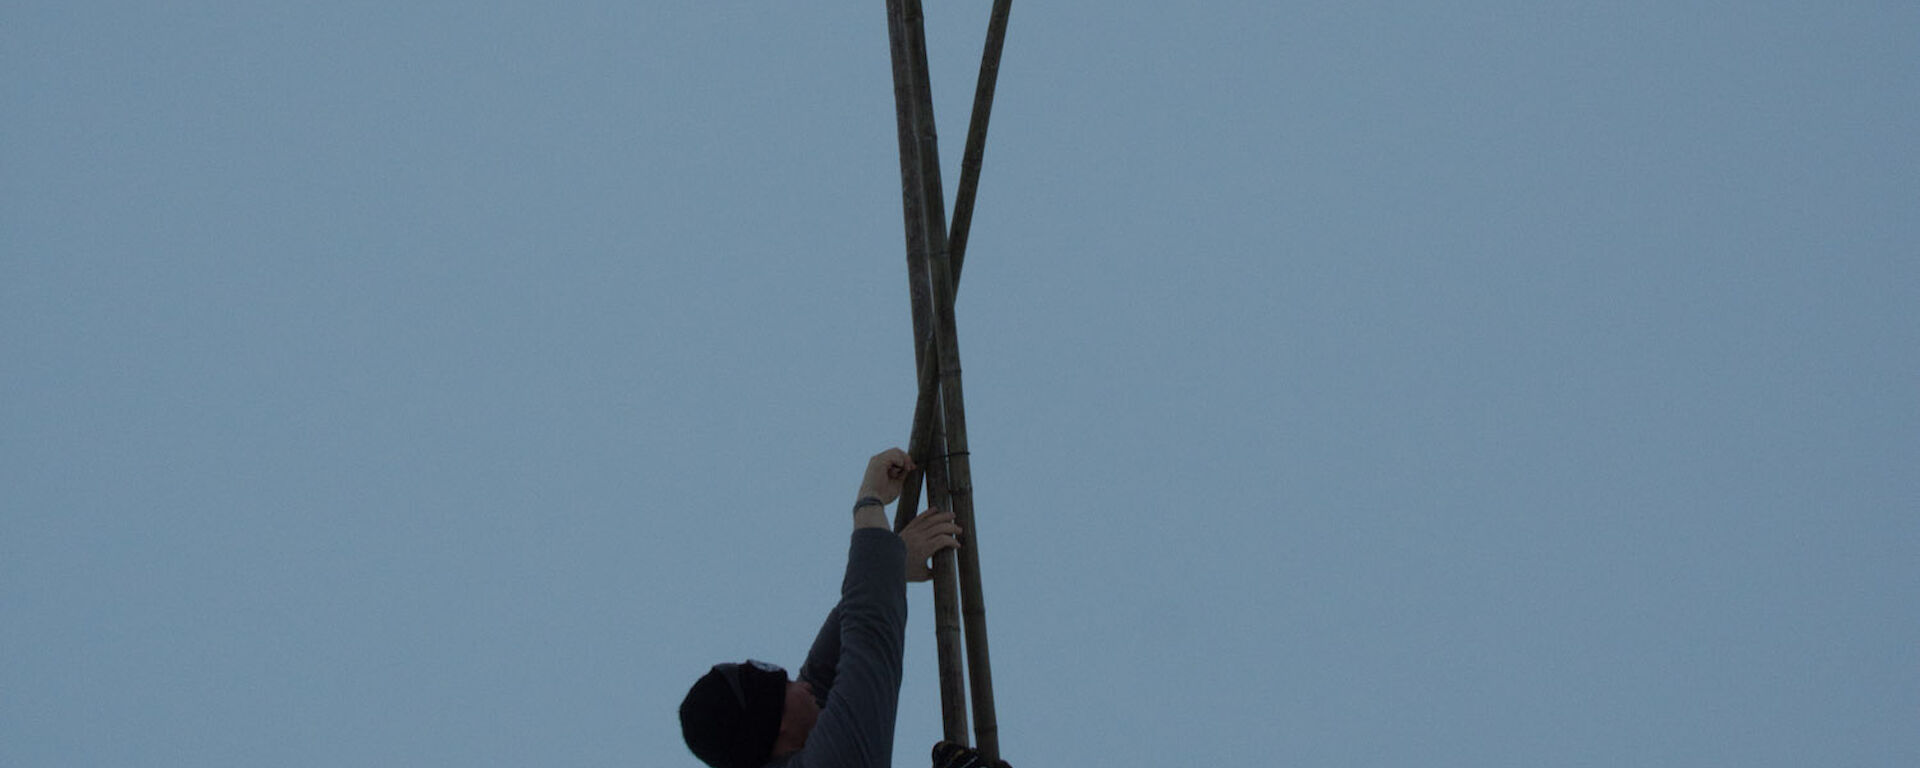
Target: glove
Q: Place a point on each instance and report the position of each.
(947, 754)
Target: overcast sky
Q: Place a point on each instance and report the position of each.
(1350, 384)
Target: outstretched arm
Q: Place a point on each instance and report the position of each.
(929, 533)
(855, 728)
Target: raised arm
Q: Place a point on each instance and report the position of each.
(855, 727)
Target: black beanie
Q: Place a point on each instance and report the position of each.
(731, 716)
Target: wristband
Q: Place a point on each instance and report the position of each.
(868, 501)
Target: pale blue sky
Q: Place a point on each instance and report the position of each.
(1350, 384)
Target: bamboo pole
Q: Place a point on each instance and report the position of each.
(944, 256)
(970, 163)
(977, 136)
(952, 399)
(926, 439)
(947, 606)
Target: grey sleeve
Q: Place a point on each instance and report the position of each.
(855, 729)
(824, 657)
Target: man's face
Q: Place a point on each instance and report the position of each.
(796, 720)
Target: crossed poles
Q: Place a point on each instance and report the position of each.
(939, 441)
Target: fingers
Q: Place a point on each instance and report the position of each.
(949, 537)
(886, 471)
(927, 544)
(933, 515)
(929, 533)
(897, 462)
(931, 524)
(930, 517)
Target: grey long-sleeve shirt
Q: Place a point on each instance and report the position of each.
(854, 664)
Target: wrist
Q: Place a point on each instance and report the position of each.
(870, 512)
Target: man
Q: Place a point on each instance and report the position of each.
(840, 712)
